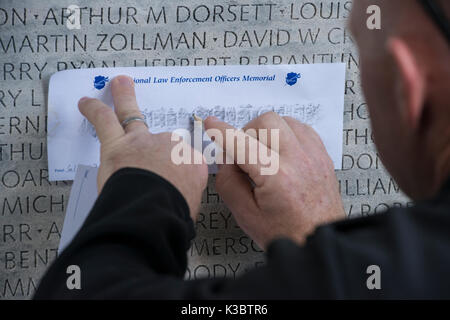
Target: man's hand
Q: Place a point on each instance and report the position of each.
(293, 202)
(136, 147)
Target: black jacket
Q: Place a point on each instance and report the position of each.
(134, 242)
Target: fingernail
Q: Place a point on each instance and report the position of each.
(125, 81)
(83, 99)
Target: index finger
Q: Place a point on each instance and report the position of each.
(244, 149)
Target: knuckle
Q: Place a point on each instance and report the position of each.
(141, 138)
(304, 129)
(268, 117)
(308, 130)
(262, 121)
(252, 132)
(289, 119)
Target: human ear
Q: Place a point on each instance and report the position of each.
(410, 82)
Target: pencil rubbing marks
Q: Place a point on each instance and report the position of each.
(173, 118)
(86, 128)
(168, 119)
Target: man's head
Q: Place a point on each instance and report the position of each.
(405, 73)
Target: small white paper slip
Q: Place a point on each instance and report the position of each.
(168, 96)
(82, 198)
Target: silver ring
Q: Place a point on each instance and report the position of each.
(128, 120)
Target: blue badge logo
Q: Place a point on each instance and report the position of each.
(292, 77)
(100, 82)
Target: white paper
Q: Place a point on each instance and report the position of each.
(82, 198)
(311, 93)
